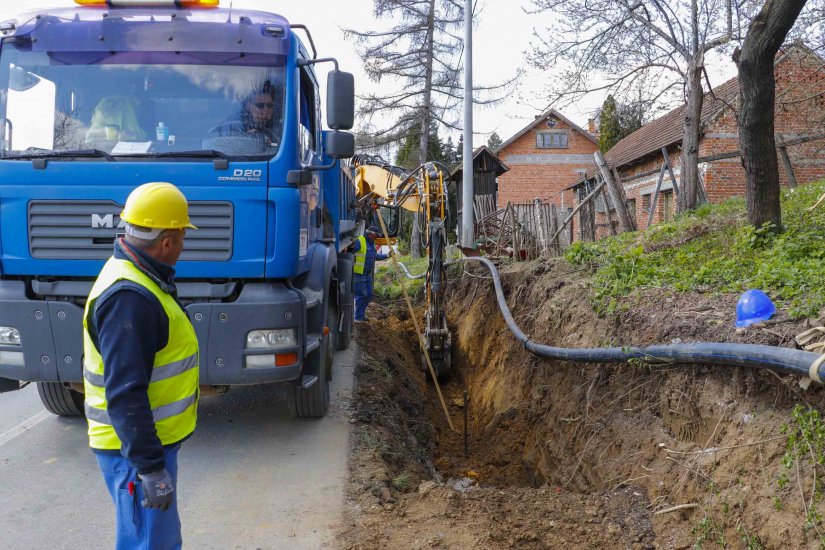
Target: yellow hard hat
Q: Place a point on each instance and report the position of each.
(157, 205)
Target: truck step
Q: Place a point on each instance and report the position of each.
(308, 381)
(313, 297)
(313, 341)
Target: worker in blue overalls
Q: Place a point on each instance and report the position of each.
(364, 270)
(141, 369)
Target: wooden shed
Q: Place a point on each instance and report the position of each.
(487, 167)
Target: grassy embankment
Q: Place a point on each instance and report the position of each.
(713, 249)
(387, 285)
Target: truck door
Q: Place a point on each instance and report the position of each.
(309, 138)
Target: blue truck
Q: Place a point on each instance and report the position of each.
(105, 96)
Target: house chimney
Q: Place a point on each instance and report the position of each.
(591, 126)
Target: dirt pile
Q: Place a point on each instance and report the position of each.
(631, 456)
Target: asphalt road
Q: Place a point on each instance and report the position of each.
(250, 477)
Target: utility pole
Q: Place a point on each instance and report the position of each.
(467, 236)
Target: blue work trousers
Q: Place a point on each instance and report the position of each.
(362, 288)
(140, 528)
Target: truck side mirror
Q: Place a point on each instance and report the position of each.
(340, 100)
(299, 177)
(340, 145)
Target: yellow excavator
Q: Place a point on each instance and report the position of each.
(381, 189)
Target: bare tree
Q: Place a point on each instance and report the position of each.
(609, 45)
(757, 86)
(810, 26)
(417, 63)
(420, 51)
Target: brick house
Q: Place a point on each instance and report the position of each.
(799, 116)
(543, 158)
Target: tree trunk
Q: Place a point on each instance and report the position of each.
(690, 142)
(419, 222)
(757, 87)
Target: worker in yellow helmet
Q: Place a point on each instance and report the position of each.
(140, 368)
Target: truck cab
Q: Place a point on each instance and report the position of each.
(223, 103)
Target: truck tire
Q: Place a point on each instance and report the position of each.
(60, 400)
(314, 401)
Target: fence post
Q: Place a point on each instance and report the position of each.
(540, 226)
(554, 228)
(616, 194)
(786, 160)
(501, 229)
(607, 215)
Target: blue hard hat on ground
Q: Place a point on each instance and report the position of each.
(753, 306)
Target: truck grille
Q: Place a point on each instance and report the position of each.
(85, 230)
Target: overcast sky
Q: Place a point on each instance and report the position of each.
(501, 36)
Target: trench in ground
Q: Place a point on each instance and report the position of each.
(593, 431)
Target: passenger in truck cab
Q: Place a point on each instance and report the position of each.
(255, 118)
(115, 118)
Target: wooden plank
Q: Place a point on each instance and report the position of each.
(670, 171)
(569, 219)
(501, 229)
(617, 195)
(655, 198)
(554, 223)
(721, 156)
(607, 214)
(804, 139)
(786, 160)
(542, 238)
(590, 218)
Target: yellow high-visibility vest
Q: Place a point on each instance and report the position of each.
(173, 388)
(360, 256)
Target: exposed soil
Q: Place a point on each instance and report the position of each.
(567, 454)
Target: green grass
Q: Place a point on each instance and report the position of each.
(714, 249)
(387, 285)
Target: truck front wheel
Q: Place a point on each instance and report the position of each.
(60, 400)
(313, 402)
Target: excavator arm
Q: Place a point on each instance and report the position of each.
(424, 191)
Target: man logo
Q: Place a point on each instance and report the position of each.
(106, 221)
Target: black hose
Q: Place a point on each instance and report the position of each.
(784, 360)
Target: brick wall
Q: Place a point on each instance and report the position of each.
(542, 173)
(800, 111)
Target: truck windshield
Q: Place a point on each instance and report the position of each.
(139, 103)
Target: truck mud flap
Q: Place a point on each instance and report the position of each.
(7, 385)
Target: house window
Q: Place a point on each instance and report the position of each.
(646, 204)
(552, 140)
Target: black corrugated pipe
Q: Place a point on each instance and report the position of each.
(784, 360)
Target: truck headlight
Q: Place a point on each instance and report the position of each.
(271, 339)
(9, 336)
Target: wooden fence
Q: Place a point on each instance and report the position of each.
(527, 231)
(520, 231)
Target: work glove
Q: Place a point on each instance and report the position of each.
(158, 490)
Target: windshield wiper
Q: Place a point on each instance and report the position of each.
(197, 153)
(45, 153)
